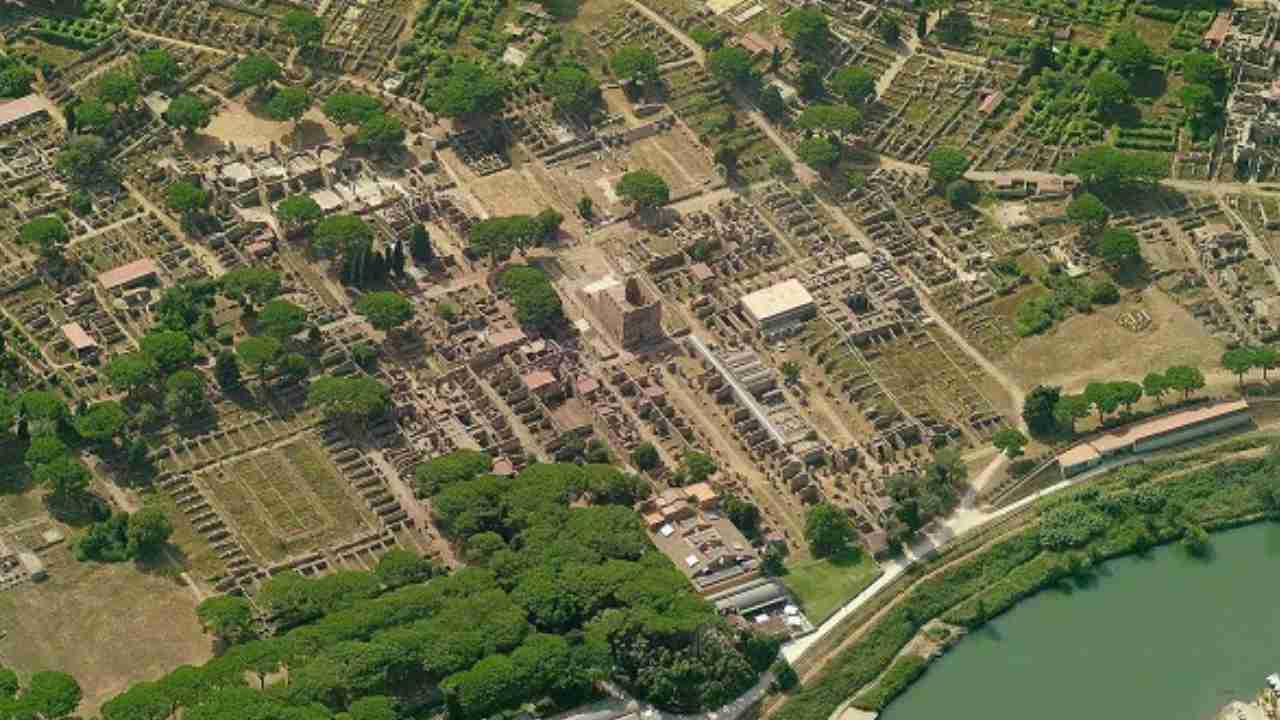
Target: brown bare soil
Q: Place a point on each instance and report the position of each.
(1096, 347)
(107, 625)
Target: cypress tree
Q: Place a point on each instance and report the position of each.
(420, 246)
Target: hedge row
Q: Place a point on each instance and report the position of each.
(904, 671)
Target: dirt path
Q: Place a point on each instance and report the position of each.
(1016, 396)
(173, 41)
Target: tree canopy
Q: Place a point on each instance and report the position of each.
(808, 30)
(1119, 247)
(1087, 211)
(1037, 409)
(101, 422)
(828, 530)
(458, 466)
(289, 103)
(254, 283)
(188, 112)
(298, 210)
(634, 62)
(352, 398)
(226, 617)
(259, 351)
(47, 233)
(1009, 441)
(961, 193)
(1108, 167)
(947, 164)
(349, 108)
(381, 134)
(730, 64)
(342, 234)
(1184, 378)
(572, 89)
(497, 237)
(256, 71)
(535, 298)
(304, 27)
(185, 395)
(830, 118)
(469, 89)
(643, 189)
(93, 115)
(168, 350)
(1202, 68)
(118, 88)
(854, 83)
(130, 371)
(385, 310)
(186, 197)
(818, 152)
(158, 64)
(281, 318)
(1129, 53)
(82, 158)
(1109, 89)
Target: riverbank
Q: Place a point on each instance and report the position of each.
(1127, 511)
(1164, 635)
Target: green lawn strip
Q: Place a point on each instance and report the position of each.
(824, 585)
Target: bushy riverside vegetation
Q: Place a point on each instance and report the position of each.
(556, 598)
(1130, 510)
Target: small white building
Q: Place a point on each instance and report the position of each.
(778, 306)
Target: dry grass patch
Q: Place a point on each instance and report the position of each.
(1095, 346)
(108, 625)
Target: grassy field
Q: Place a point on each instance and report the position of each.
(822, 586)
(107, 625)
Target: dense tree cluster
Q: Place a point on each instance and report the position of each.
(566, 596)
(947, 164)
(635, 63)
(535, 298)
(808, 30)
(350, 399)
(923, 496)
(1108, 167)
(467, 89)
(385, 310)
(48, 695)
(124, 536)
(497, 237)
(572, 89)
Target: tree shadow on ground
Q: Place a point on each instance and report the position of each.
(202, 145)
(167, 562)
(1126, 116)
(1150, 83)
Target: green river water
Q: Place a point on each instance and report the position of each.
(1164, 637)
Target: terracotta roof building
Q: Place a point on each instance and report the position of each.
(1155, 434)
(134, 273)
